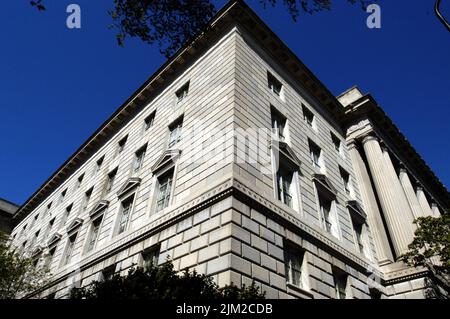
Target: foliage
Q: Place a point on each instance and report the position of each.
(431, 248)
(432, 238)
(18, 274)
(162, 282)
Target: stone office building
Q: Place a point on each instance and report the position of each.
(235, 160)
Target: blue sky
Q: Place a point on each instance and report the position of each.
(58, 85)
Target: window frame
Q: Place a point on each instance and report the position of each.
(80, 180)
(308, 116)
(175, 132)
(154, 253)
(98, 164)
(87, 198)
(274, 85)
(139, 157)
(345, 179)
(312, 148)
(130, 200)
(334, 140)
(110, 179)
(169, 174)
(278, 124)
(121, 144)
(183, 92)
(96, 225)
(299, 254)
(69, 249)
(149, 120)
(340, 279)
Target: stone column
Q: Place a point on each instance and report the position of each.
(374, 220)
(435, 210)
(410, 194)
(392, 198)
(426, 209)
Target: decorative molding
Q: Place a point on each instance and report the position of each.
(325, 185)
(54, 240)
(98, 208)
(130, 184)
(167, 157)
(37, 251)
(406, 274)
(77, 222)
(356, 210)
(286, 151)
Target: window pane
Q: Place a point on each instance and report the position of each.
(126, 210)
(293, 265)
(165, 186)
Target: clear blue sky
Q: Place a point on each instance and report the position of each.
(58, 85)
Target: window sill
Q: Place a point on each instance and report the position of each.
(299, 292)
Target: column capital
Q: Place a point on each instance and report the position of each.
(403, 170)
(370, 137)
(419, 188)
(352, 144)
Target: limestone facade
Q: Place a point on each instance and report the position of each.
(234, 160)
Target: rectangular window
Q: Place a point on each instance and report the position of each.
(125, 214)
(182, 92)
(139, 158)
(24, 245)
(49, 227)
(111, 178)
(164, 190)
(66, 215)
(315, 153)
(62, 196)
(175, 132)
(93, 236)
(87, 198)
(148, 122)
(121, 144)
(80, 180)
(340, 284)
(99, 164)
(325, 209)
(284, 180)
(69, 249)
(49, 258)
(34, 220)
(150, 258)
(278, 124)
(358, 234)
(274, 85)
(308, 116)
(23, 230)
(293, 260)
(336, 142)
(108, 272)
(35, 237)
(49, 206)
(345, 178)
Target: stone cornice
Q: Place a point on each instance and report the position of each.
(235, 12)
(406, 274)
